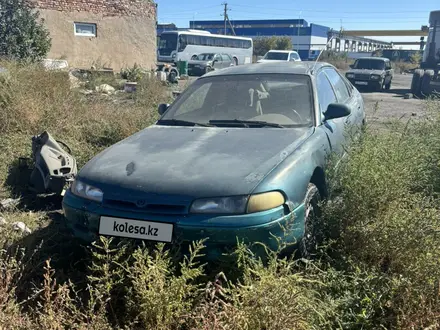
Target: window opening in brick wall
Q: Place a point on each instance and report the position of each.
(85, 29)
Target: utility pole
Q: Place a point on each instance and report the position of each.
(225, 14)
(299, 24)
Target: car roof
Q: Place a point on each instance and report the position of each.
(281, 51)
(374, 58)
(304, 67)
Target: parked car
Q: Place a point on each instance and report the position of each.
(375, 72)
(280, 56)
(239, 154)
(208, 62)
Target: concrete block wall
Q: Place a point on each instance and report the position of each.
(126, 31)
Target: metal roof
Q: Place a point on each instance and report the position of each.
(303, 67)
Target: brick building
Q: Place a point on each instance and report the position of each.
(115, 33)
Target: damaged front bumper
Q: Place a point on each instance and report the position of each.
(222, 232)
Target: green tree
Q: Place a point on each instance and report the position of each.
(22, 32)
(263, 44)
(416, 58)
(283, 43)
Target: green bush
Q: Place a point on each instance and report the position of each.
(22, 33)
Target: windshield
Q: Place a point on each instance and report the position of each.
(205, 57)
(369, 64)
(283, 99)
(167, 43)
(276, 56)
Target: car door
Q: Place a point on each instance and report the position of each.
(345, 95)
(333, 128)
(388, 72)
(218, 62)
(227, 60)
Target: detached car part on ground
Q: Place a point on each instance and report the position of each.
(240, 154)
(54, 168)
(373, 72)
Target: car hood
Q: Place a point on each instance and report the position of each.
(194, 62)
(365, 71)
(192, 161)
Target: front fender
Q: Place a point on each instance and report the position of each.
(293, 175)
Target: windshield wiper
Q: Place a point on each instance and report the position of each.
(245, 123)
(181, 122)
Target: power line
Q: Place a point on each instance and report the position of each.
(329, 11)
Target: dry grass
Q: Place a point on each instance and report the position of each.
(378, 268)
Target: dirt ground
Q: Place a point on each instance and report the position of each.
(391, 104)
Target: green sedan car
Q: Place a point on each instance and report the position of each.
(240, 154)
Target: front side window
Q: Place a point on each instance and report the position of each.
(85, 29)
(280, 99)
(339, 85)
(326, 95)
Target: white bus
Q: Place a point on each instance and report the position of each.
(174, 46)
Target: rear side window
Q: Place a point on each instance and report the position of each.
(339, 85)
(326, 95)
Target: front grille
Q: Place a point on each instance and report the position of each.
(147, 208)
(362, 76)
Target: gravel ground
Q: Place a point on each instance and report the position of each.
(391, 104)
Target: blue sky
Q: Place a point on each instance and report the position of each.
(359, 15)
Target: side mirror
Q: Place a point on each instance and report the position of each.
(351, 66)
(214, 61)
(336, 110)
(162, 108)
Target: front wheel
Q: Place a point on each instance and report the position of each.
(308, 243)
(388, 86)
(172, 77)
(208, 69)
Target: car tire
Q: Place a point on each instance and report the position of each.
(425, 87)
(235, 61)
(172, 77)
(416, 82)
(208, 69)
(308, 244)
(388, 86)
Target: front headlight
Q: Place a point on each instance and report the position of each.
(375, 77)
(227, 205)
(350, 75)
(86, 191)
(238, 204)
